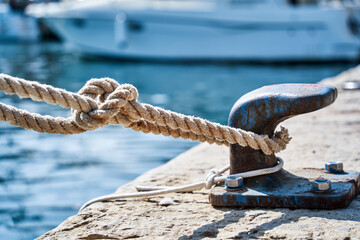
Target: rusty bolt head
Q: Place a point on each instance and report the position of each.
(321, 185)
(334, 167)
(233, 182)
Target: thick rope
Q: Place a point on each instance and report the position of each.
(104, 101)
(214, 177)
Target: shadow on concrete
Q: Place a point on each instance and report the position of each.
(285, 216)
(211, 230)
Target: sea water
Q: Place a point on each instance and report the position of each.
(46, 178)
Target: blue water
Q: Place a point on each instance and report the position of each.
(46, 178)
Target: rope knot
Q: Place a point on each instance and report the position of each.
(210, 177)
(110, 98)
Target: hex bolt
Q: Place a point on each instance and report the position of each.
(233, 183)
(321, 185)
(334, 167)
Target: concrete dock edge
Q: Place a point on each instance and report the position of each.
(331, 134)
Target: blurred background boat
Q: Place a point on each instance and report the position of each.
(15, 25)
(256, 30)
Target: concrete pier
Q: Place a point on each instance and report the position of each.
(331, 134)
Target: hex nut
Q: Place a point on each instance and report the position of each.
(351, 85)
(321, 185)
(334, 167)
(233, 182)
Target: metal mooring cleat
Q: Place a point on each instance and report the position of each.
(260, 111)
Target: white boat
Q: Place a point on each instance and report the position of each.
(15, 26)
(249, 30)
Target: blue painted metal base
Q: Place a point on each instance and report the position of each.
(286, 190)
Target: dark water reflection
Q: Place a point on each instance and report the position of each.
(45, 178)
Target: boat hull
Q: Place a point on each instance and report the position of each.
(306, 35)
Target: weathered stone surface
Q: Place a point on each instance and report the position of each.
(331, 134)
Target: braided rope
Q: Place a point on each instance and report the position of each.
(104, 101)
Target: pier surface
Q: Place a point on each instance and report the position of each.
(331, 134)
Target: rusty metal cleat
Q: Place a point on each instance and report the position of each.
(260, 111)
